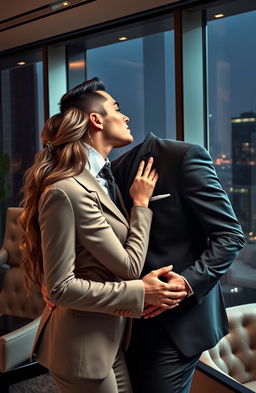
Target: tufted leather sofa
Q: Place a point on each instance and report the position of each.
(235, 354)
(19, 313)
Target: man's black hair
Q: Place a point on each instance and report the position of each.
(84, 96)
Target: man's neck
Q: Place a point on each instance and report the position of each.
(100, 145)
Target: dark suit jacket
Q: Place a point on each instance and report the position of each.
(194, 229)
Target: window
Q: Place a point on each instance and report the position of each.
(22, 115)
(136, 64)
(232, 130)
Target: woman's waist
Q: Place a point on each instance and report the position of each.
(96, 274)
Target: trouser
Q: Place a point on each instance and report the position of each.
(117, 381)
(154, 362)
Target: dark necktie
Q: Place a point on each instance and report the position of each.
(108, 176)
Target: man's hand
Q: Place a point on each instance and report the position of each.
(51, 306)
(161, 296)
(178, 291)
(176, 278)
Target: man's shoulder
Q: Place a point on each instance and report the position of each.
(177, 149)
(156, 145)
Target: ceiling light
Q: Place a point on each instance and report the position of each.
(122, 38)
(218, 15)
(21, 63)
(65, 3)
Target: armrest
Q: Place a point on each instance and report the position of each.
(215, 381)
(3, 256)
(10, 323)
(16, 346)
(206, 359)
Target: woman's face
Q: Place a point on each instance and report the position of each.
(116, 131)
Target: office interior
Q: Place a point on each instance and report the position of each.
(183, 70)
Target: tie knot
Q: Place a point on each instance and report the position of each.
(106, 172)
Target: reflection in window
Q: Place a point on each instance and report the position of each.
(232, 134)
(22, 116)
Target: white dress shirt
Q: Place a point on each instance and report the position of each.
(95, 164)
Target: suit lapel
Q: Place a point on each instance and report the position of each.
(146, 148)
(90, 184)
(126, 166)
(130, 161)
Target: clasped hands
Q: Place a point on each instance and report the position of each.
(159, 296)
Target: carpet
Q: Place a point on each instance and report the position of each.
(41, 384)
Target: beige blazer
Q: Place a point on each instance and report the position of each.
(88, 250)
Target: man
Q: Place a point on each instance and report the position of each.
(195, 229)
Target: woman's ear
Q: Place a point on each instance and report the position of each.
(96, 120)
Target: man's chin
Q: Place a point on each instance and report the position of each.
(125, 142)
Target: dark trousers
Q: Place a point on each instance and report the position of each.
(155, 364)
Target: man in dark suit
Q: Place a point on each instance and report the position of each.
(195, 229)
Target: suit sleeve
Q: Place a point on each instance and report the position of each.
(204, 195)
(60, 228)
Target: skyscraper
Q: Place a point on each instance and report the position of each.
(244, 171)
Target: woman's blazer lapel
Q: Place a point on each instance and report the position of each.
(86, 180)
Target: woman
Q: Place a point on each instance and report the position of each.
(78, 241)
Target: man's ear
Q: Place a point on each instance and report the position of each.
(96, 120)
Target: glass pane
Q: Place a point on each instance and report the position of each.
(136, 64)
(22, 115)
(232, 131)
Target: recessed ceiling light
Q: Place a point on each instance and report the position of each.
(21, 63)
(218, 15)
(65, 3)
(122, 38)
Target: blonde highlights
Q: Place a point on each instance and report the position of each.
(63, 156)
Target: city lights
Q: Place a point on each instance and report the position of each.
(244, 120)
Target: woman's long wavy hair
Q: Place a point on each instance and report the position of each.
(63, 155)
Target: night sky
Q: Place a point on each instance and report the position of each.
(231, 72)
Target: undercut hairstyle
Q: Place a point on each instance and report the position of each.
(85, 97)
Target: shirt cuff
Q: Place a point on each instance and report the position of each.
(190, 291)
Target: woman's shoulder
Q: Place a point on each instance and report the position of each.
(67, 188)
(66, 185)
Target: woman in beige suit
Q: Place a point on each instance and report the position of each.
(79, 242)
